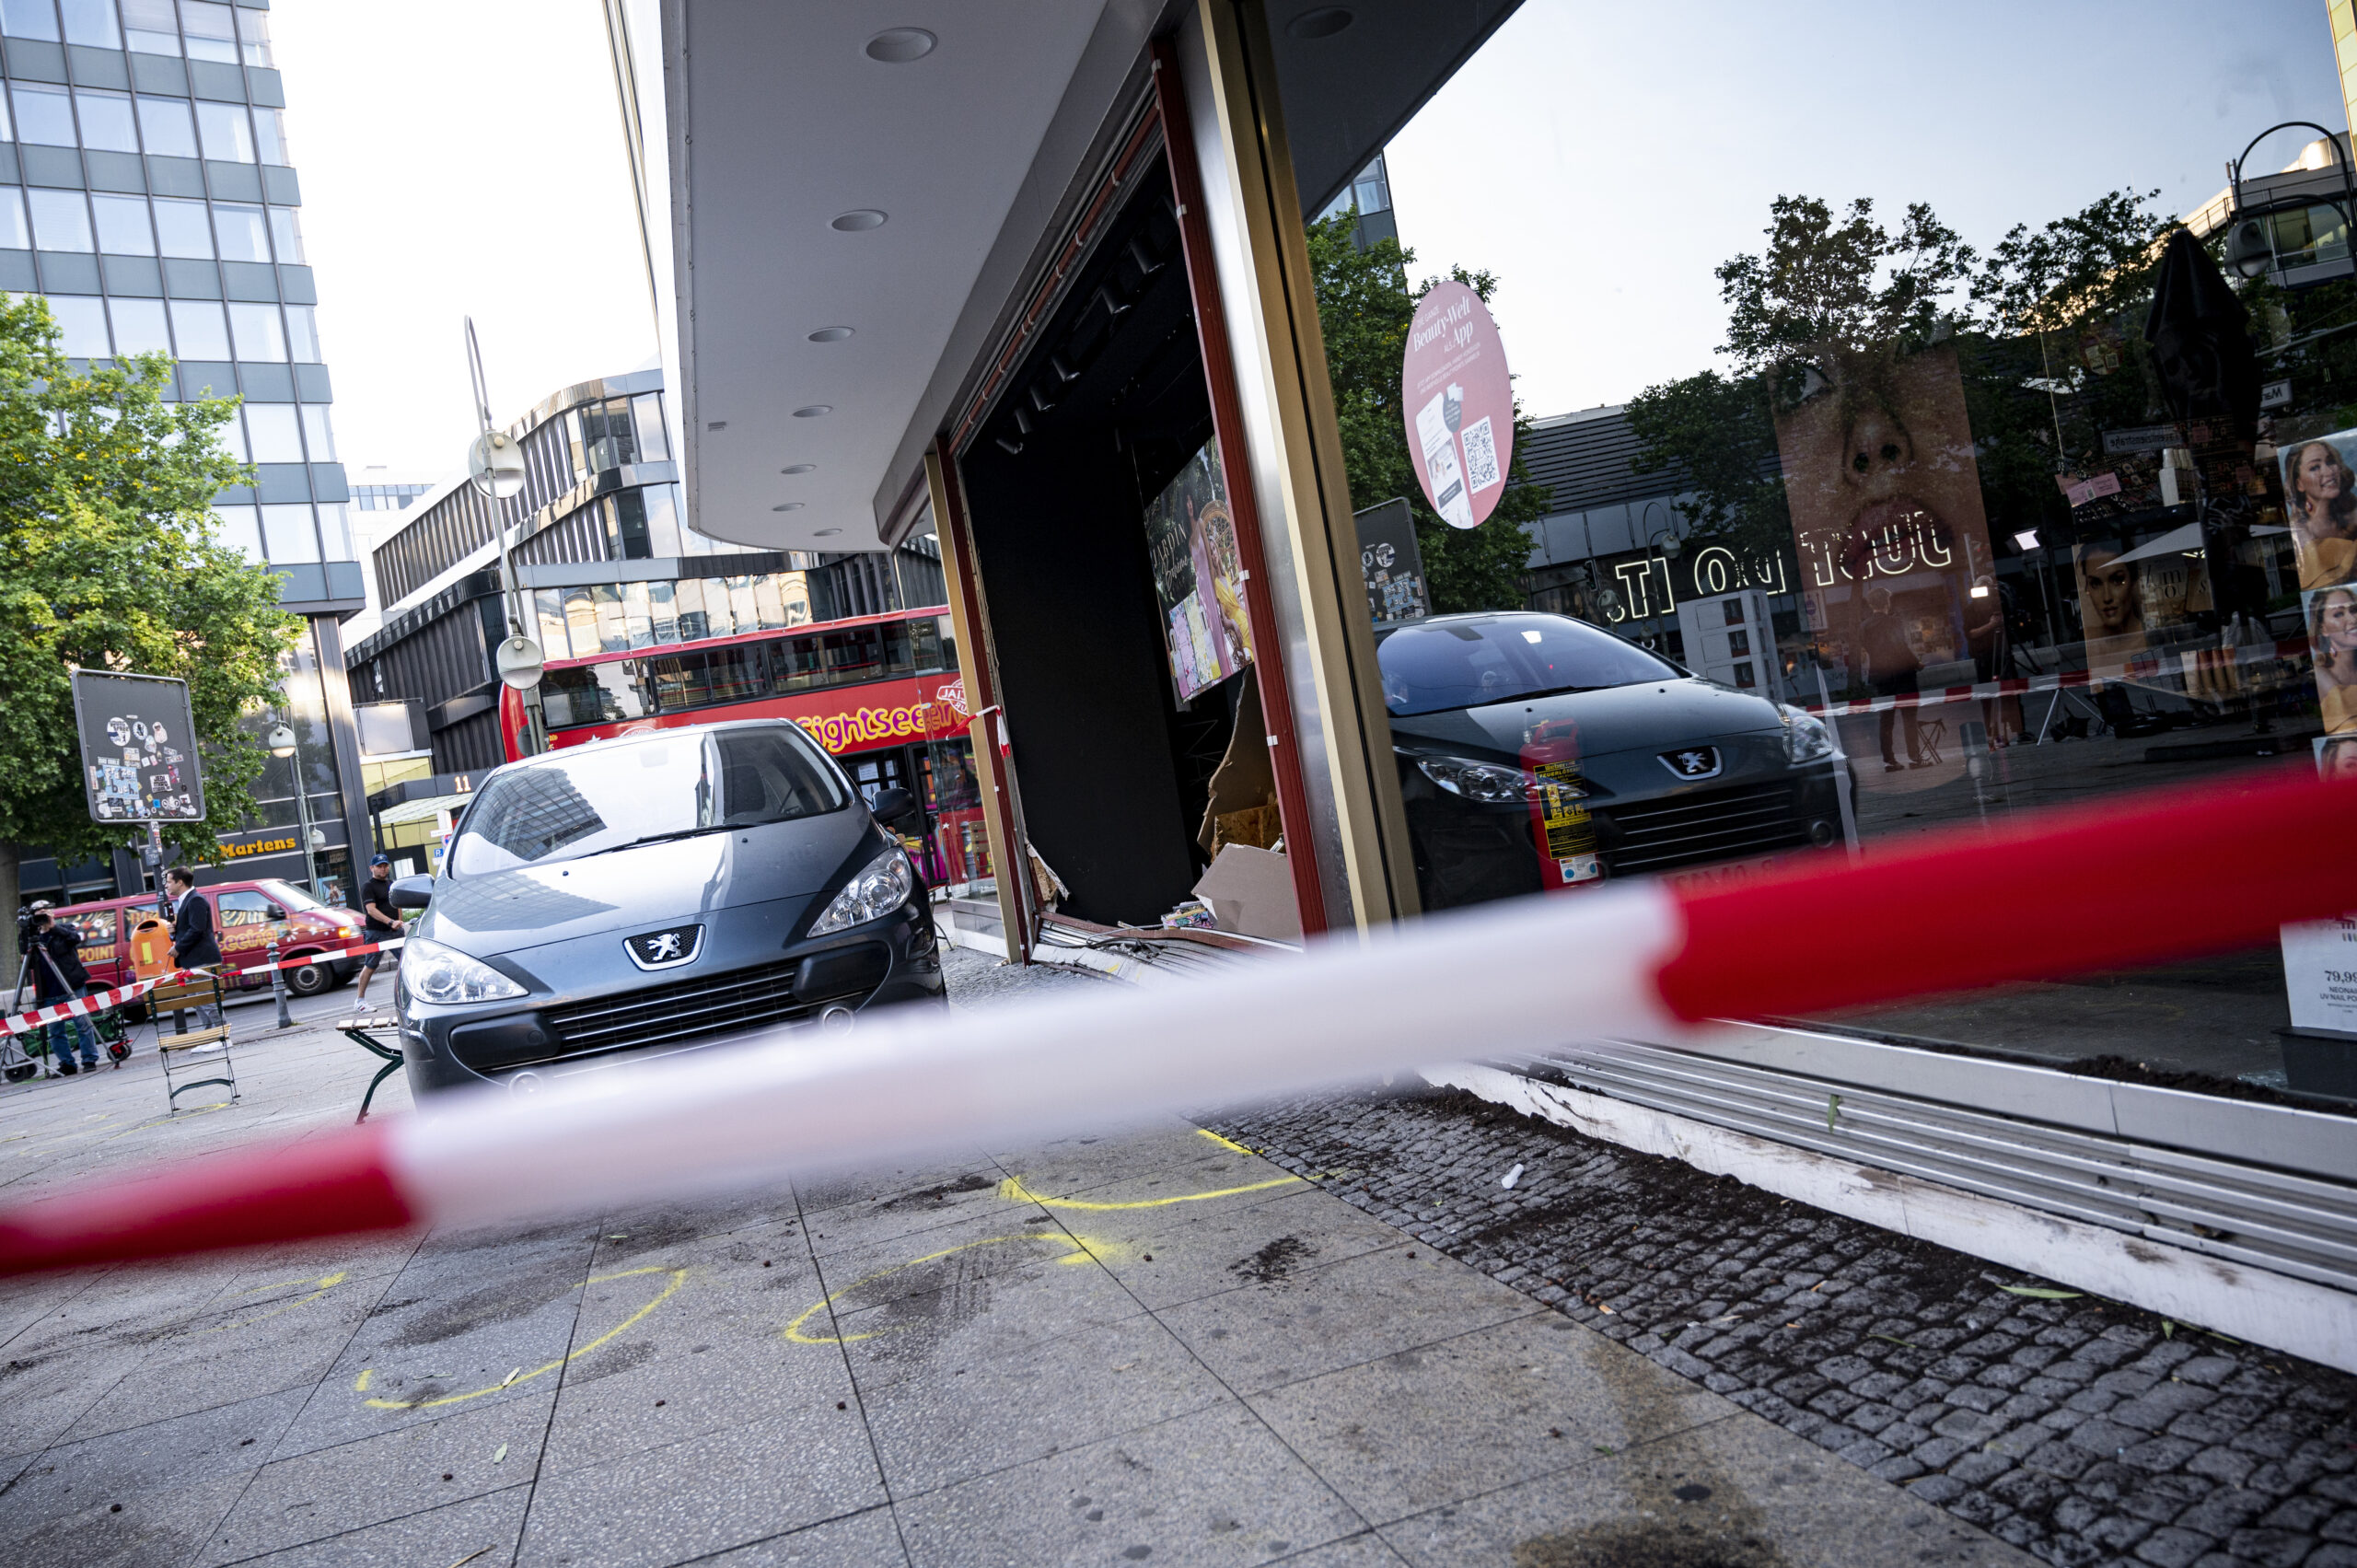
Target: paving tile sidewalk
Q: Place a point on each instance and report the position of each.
(1148, 1346)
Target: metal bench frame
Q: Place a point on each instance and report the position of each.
(356, 1030)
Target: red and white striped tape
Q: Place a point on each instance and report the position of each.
(99, 1002)
(2024, 686)
(2128, 882)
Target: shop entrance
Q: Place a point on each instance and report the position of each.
(1096, 510)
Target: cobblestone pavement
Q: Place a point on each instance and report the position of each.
(2085, 1431)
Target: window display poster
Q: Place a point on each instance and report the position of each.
(1458, 399)
(139, 762)
(1190, 538)
(2320, 957)
(2330, 615)
(1876, 448)
(2320, 505)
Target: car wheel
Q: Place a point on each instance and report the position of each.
(310, 980)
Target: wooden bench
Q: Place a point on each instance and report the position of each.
(203, 1049)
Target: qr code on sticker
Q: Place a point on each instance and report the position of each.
(1481, 457)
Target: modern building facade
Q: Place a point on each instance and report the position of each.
(607, 562)
(146, 189)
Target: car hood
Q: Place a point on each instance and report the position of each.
(1653, 716)
(647, 884)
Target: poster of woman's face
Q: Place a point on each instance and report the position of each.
(2320, 505)
(2111, 602)
(2331, 617)
(2336, 758)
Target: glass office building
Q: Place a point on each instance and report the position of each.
(146, 189)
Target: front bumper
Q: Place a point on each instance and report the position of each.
(727, 996)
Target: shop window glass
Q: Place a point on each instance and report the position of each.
(91, 22)
(318, 435)
(245, 237)
(211, 28)
(122, 225)
(273, 433)
(81, 324)
(767, 602)
(183, 229)
(303, 334)
(288, 534)
(687, 596)
(257, 332)
(223, 130)
(140, 325)
(166, 125)
(44, 113)
(107, 120)
(663, 609)
(636, 615)
(286, 233)
(15, 233)
(28, 19)
(647, 419)
(240, 531)
(201, 329)
(149, 27)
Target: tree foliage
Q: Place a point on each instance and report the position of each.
(1364, 309)
(109, 560)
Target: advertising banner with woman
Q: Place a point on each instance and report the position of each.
(1190, 537)
(2331, 618)
(2320, 503)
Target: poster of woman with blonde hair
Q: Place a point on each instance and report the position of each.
(2320, 503)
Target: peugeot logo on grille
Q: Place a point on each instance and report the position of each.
(1693, 762)
(664, 949)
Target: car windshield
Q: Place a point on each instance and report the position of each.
(575, 804)
(1441, 664)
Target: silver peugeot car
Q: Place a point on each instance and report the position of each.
(660, 892)
(1538, 751)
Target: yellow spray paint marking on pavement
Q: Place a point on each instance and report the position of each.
(325, 1282)
(1082, 1251)
(1223, 1143)
(1013, 1190)
(679, 1278)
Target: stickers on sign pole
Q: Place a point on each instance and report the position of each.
(1459, 402)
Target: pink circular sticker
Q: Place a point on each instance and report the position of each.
(1459, 403)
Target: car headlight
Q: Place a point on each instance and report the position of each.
(881, 887)
(1484, 782)
(1806, 736)
(440, 974)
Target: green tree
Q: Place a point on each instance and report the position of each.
(109, 560)
(1364, 309)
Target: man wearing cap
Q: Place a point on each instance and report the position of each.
(377, 915)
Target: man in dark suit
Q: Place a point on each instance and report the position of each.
(192, 942)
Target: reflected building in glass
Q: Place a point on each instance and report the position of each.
(146, 189)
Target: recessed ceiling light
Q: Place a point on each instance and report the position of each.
(1323, 22)
(827, 533)
(830, 334)
(799, 467)
(859, 220)
(898, 46)
(788, 506)
(814, 410)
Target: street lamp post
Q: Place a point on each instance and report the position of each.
(282, 744)
(495, 466)
(2249, 251)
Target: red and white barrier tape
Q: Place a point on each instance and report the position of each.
(99, 1002)
(2024, 686)
(2044, 895)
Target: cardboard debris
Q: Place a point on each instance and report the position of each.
(1250, 892)
(1245, 780)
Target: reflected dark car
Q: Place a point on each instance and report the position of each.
(657, 893)
(1537, 751)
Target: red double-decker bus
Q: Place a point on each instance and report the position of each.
(882, 693)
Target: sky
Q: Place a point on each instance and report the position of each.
(458, 159)
(1603, 162)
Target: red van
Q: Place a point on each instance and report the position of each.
(246, 917)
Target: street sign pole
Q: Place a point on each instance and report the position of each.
(495, 467)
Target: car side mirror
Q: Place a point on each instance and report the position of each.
(894, 806)
(274, 911)
(412, 892)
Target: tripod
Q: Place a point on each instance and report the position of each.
(13, 1071)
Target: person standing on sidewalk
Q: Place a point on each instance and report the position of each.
(192, 942)
(377, 917)
(58, 976)
(1891, 668)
